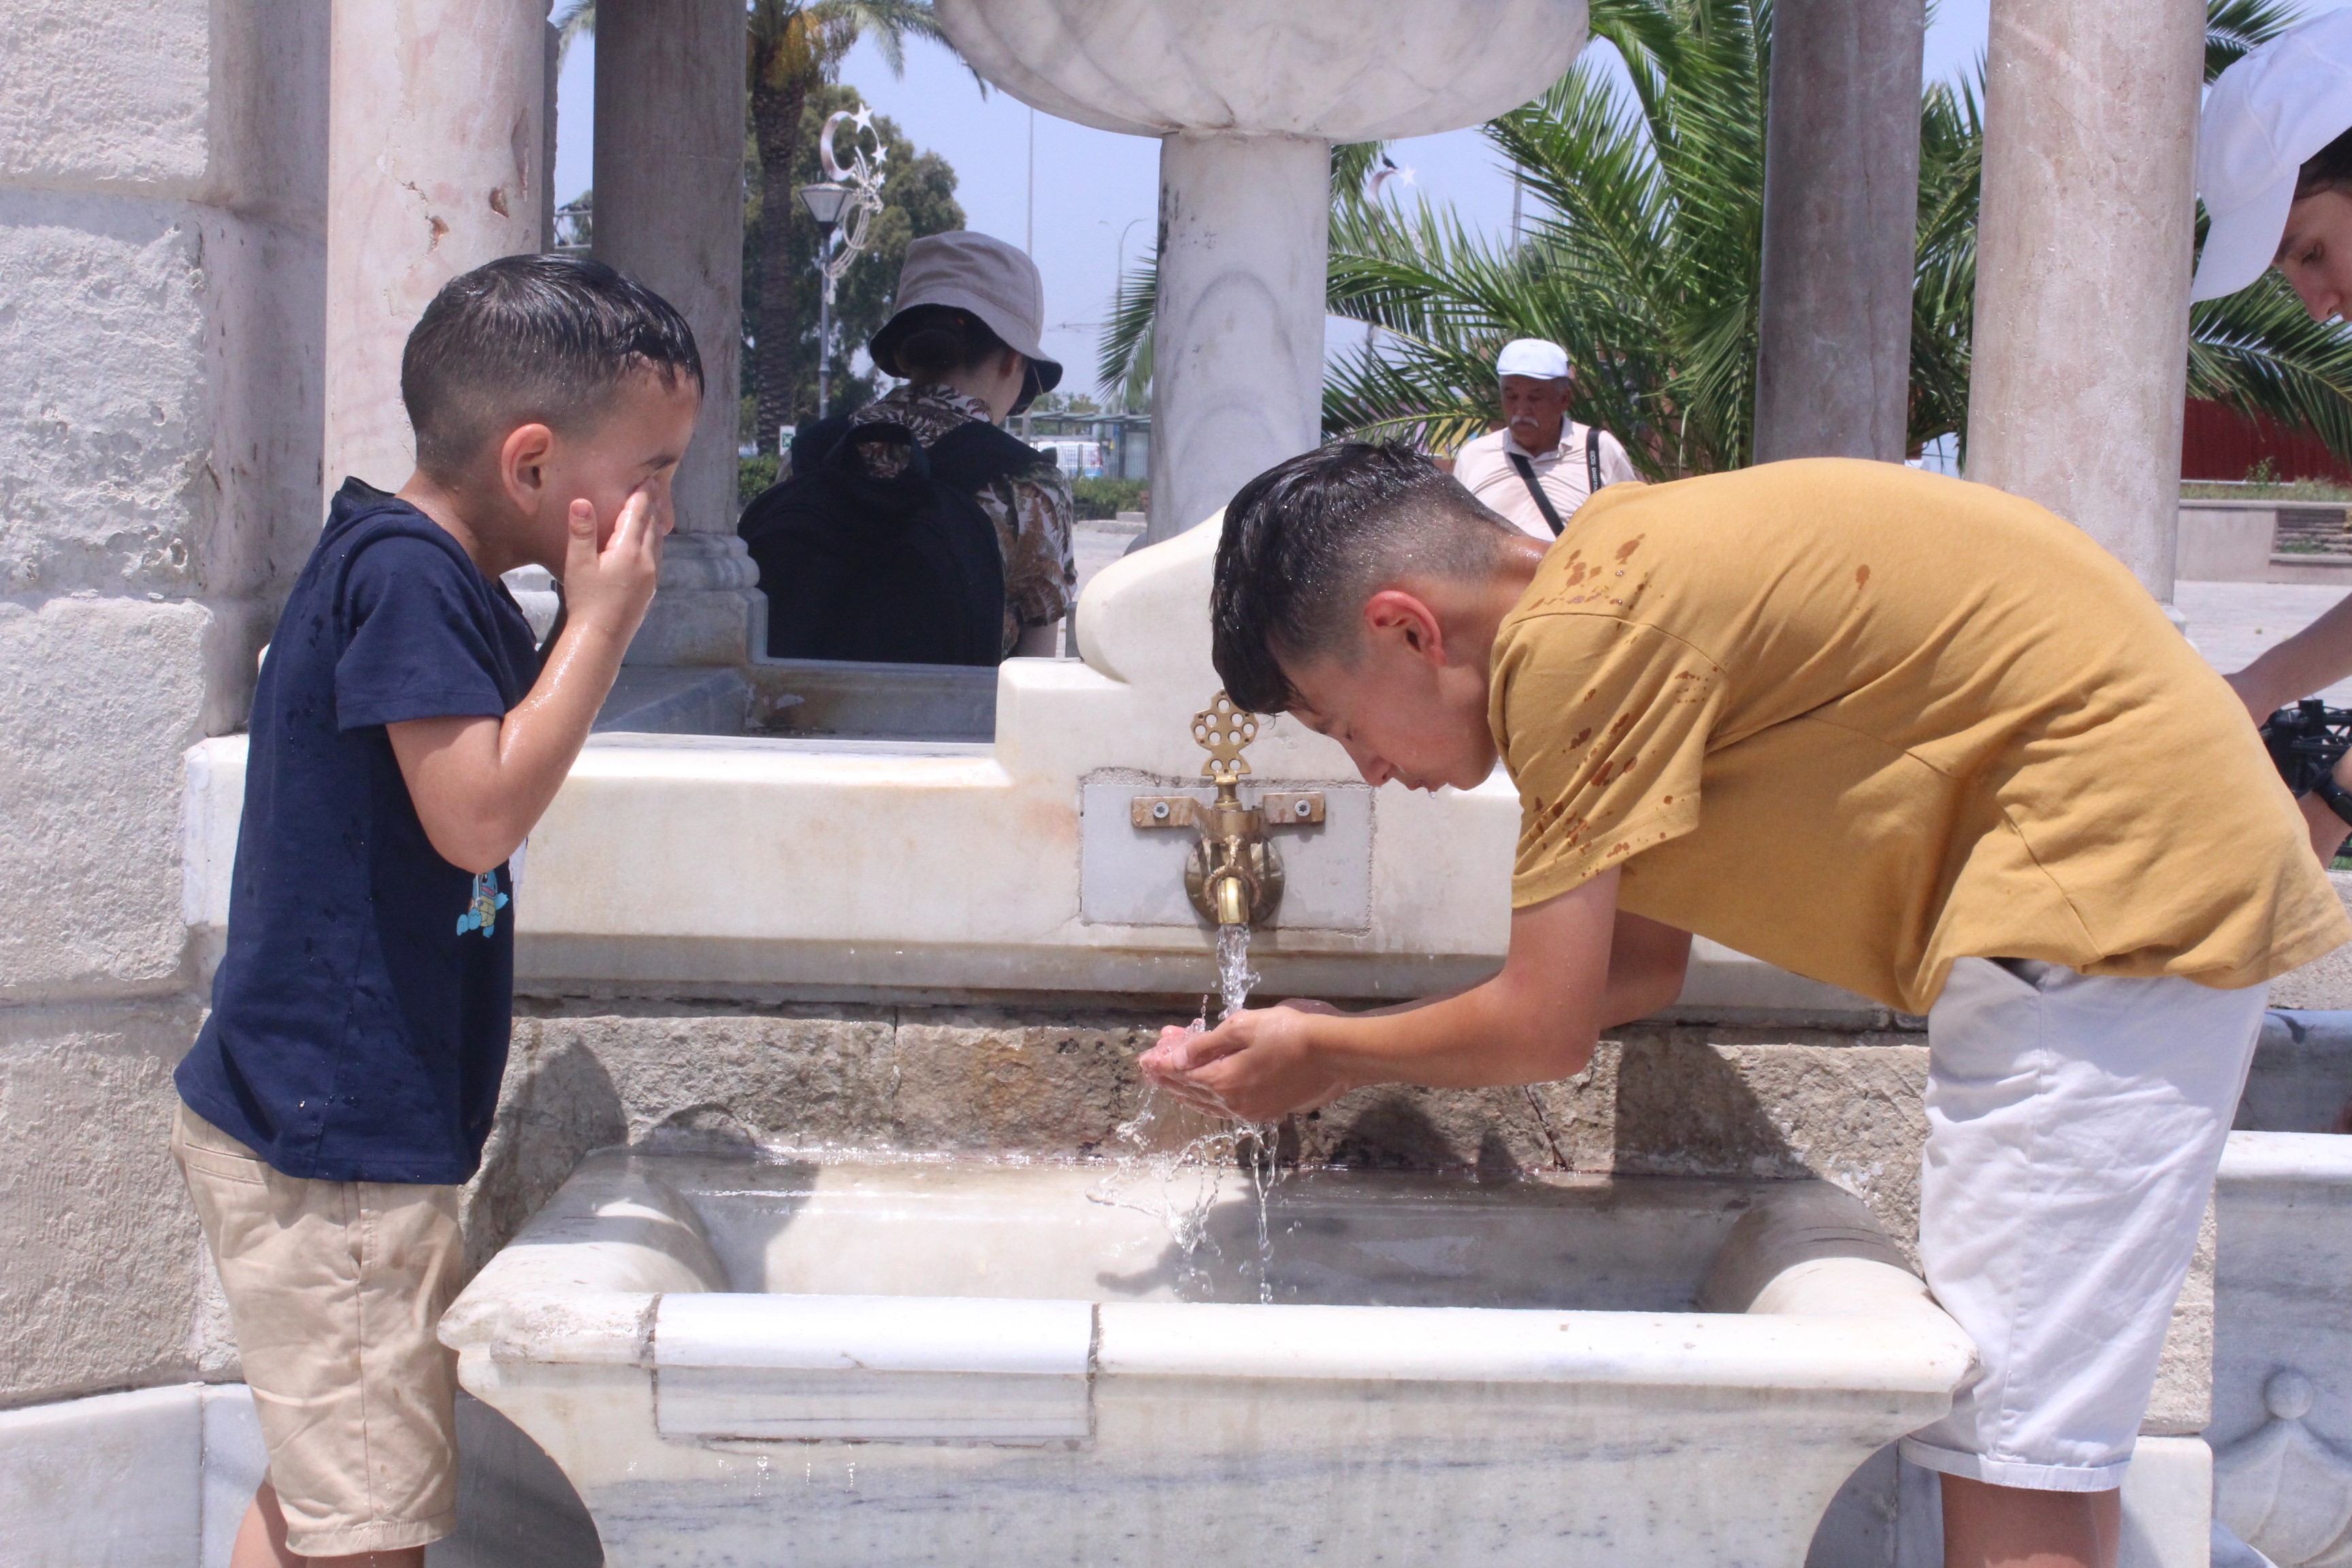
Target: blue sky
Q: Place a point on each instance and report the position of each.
(1096, 191)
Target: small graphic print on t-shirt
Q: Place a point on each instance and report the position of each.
(482, 913)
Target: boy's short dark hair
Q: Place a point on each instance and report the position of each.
(531, 338)
(1310, 539)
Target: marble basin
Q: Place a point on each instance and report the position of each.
(1339, 70)
(863, 1363)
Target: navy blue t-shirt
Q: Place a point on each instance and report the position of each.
(361, 1012)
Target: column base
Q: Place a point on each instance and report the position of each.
(709, 609)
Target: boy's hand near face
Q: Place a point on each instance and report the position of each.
(479, 784)
(608, 587)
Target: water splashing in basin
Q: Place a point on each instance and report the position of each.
(1187, 1176)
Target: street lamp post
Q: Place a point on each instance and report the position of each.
(842, 204)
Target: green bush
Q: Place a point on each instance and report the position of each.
(754, 475)
(1109, 498)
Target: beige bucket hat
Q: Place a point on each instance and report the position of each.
(980, 273)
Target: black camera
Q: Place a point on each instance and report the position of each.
(2306, 741)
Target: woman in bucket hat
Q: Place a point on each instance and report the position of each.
(2275, 168)
(964, 336)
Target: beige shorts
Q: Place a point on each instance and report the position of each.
(334, 1289)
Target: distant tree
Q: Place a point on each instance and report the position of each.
(1645, 260)
(792, 48)
(917, 198)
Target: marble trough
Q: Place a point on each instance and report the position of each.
(741, 1360)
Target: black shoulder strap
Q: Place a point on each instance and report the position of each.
(1591, 461)
(1535, 489)
(971, 454)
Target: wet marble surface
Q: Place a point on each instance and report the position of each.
(1592, 1416)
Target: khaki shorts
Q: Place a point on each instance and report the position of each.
(334, 1289)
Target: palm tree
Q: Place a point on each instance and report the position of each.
(791, 47)
(1645, 258)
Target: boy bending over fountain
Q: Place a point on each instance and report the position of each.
(406, 735)
(1910, 736)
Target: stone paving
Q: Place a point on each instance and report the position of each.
(2230, 623)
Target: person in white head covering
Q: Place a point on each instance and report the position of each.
(1541, 465)
(2275, 168)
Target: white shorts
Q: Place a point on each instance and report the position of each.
(2074, 1125)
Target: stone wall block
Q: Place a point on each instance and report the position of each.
(97, 1241)
(591, 1075)
(160, 378)
(1494, 1133)
(1015, 1080)
(98, 95)
(1849, 1113)
(105, 416)
(221, 101)
(98, 698)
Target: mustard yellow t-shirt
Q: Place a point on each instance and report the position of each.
(1860, 721)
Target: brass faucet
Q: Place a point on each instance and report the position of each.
(1232, 874)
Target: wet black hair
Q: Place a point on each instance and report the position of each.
(1310, 539)
(2329, 169)
(531, 338)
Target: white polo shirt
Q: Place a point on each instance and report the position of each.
(1485, 467)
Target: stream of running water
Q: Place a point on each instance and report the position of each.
(1188, 1176)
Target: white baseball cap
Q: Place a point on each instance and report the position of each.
(2263, 118)
(1532, 357)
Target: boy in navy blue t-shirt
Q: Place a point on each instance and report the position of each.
(406, 735)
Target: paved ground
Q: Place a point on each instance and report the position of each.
(2230, 623)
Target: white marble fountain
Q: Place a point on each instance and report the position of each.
(911, 1363)
(1247, 99)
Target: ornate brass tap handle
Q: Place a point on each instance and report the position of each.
(1232, 873)
(1222, 729)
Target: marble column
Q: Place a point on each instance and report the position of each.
(669, 213)
(436, 164)
(1237, 381)
(2082, 266)
(1841, 224)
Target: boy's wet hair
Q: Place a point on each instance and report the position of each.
(1310, 539)
(531, 339)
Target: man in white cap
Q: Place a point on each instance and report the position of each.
(1541, 465)
(2274, 168)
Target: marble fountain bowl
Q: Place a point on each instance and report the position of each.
(867, 1362)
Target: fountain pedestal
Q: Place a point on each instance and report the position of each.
(1248, 98)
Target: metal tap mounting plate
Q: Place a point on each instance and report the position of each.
(1131, 867)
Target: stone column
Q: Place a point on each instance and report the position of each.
(2083, 264)
(1841, 224)
(436, 164)
(669, 213)
(1237, 382)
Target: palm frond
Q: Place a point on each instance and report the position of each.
(573, 19)
(1123, 362)
(2234, 29)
